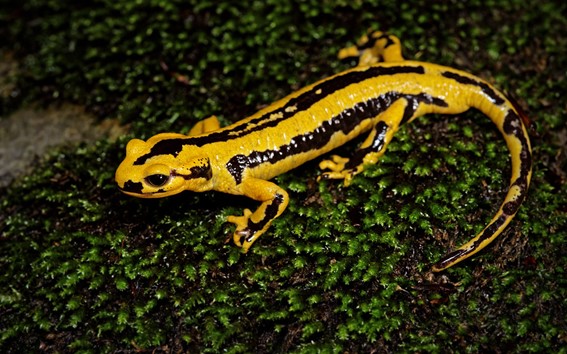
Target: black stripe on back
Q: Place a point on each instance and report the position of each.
(345, 122)
(496, 99)
(301, 102)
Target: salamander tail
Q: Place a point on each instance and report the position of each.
(510, 121)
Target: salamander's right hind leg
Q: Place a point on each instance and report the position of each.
(368, 153)
(370, 150)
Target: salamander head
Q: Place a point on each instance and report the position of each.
(163, 166)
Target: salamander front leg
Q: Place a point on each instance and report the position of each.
(251, 225)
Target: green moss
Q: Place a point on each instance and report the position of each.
(86, 269)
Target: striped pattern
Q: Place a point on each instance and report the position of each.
(317, 119)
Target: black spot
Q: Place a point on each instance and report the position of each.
(199, 171)
(134, 187)
(490, 230)
(236, 166)
(415, 100)
(203, 171)
(513, 126)
(510, 208)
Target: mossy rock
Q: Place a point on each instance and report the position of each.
(86, 269)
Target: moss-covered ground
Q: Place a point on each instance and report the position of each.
(86, 269)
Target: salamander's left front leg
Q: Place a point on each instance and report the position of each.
(252, 225)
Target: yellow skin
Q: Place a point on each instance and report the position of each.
(376, 97)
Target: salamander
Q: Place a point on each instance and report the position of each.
(375, 98)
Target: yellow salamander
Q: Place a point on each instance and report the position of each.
(383, 92)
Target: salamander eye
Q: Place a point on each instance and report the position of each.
(157, 180)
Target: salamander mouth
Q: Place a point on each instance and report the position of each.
(136, 189)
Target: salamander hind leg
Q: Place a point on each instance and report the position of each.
(370, 150)
(368, 153)
(251, 225)
(373, 48)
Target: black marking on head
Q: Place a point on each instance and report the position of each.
(203, 171)
(200, 171)
(133, 187)
(236, 166)
(345, 122)
(163, 147)
(302, 102)
(494, 97)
